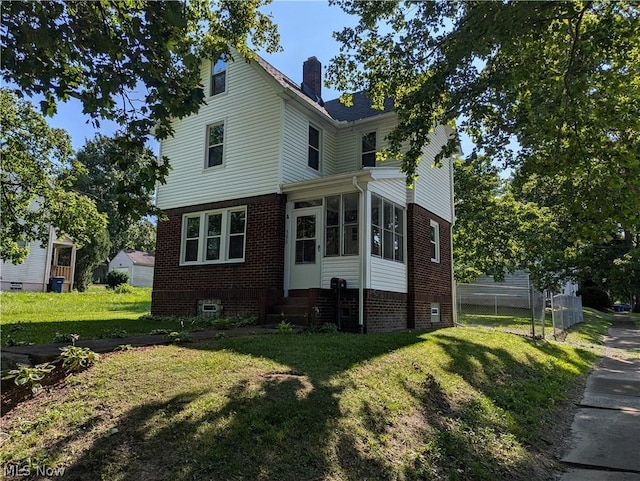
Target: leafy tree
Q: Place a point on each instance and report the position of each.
(88, 257)
(557, 79)
(496, 232)
(112, 178)
(35, 182)
(135, 62)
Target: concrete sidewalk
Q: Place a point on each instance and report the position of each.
(605, 434)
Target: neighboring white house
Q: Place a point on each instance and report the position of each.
(139, 266)
(55, 259)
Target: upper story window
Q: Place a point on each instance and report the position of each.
(387, 229)
(435, 241)
(215, 144)
(341, 225)
(218, 77)
(214, 237)
(313, 159)
(369, 149)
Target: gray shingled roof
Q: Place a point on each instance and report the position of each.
(141, 258)
(361, 108)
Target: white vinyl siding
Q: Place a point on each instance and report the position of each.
(434, 188)
(295, 145)
(31, 273)
(387, 275)
(251, 112)
(142, 276)
(346, 268)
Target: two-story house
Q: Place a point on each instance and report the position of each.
(274, 192)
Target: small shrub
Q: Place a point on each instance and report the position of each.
(284, 327)
(75, 358)
(30, 376)
(181, 336)
(159, 331)
(123, 347)
(222, 323)
(123, 289)
(72, 338)
(114, 334)
(116, 278)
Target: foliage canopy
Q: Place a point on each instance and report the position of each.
(560, 80)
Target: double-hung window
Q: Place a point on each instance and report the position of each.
(313, 159)
(214, 236)
(435, 241)
(215, 144)
(218, 77)
(341, 225)
(369, 149)
(387, 229)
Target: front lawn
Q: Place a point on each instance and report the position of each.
(455, 404)
(36, 317)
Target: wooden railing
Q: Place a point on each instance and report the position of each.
(61, 271)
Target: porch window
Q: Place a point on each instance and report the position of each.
(218, 77)
(387, 229)
(341, 225)
(214, 236)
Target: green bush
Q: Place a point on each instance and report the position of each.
(595, 298)
(30, 376)
(75, 358)
(123, 289)
(116, 278)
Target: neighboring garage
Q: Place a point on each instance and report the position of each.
(139, 266)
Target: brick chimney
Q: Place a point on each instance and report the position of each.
(312, 75)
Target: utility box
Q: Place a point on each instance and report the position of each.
(210, 308)
(338, 283)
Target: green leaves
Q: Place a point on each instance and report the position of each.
(35, 174)
(560, 81)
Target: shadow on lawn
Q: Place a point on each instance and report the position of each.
(284, 425)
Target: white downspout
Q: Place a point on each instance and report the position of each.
(363, 255)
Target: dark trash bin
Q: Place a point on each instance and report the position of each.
(339, 286)
(56, 283)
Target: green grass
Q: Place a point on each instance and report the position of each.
(595, 325)
(455, 404)
(36, 317)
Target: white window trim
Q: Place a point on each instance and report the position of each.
(382, 229)
(341, 226)
(226, 79)
(207, 146)
(225, 235)
(435, 241)
(319, 170)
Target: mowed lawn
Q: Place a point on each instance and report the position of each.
(36, 317)
(453, 404)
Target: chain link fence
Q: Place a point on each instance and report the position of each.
(512, 306)
(566, 311)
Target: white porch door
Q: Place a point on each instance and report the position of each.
(306, 248)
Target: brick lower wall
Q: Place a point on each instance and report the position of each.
(428, 281)
(249, 287)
